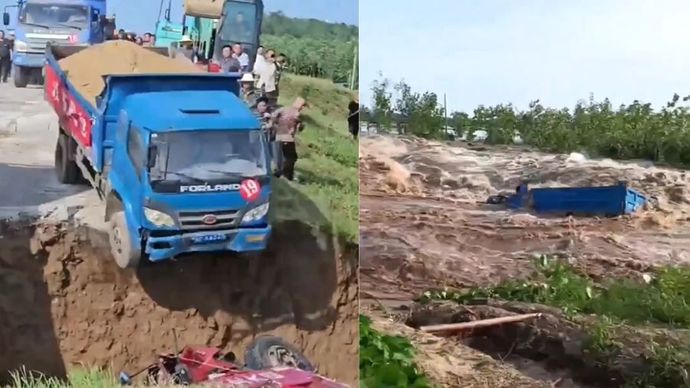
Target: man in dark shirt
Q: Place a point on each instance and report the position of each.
(5, 57)
(228, 63)
(353, 117)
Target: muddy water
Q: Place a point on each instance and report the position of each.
(424, 221)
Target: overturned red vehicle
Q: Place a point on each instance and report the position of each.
(269, 362)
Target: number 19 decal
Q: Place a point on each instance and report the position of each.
(250, 190)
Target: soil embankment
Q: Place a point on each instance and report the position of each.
(65, 304)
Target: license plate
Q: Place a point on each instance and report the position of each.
(209, 238)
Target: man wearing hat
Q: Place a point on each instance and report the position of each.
(186, 50)
(247, 91)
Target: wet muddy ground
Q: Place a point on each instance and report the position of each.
(425, 225)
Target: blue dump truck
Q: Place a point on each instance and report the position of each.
(59, 21)
(178, 159)
(607, 201)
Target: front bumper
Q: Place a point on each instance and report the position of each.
(234, 240)
(34, 60)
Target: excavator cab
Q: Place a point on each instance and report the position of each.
(240, 23)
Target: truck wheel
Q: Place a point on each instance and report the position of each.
(66, 169)
(20, 77)
(125, 254)
(269, 352)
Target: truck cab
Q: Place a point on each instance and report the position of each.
(38, 22)
(192, 168)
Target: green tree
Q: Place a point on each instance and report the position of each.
(314, 48)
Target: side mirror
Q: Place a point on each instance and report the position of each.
(151, 157)
(6, 18)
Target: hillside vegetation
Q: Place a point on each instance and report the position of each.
(314, 48)
(629, 131)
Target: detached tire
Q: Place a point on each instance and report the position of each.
(66, 168)
(125, 254)
(270, 352)
(20, 77)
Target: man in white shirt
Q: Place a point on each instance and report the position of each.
(241, 56)
(267, 77)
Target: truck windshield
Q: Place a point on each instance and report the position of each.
(55, 15)
(209, 156)
(239, 23)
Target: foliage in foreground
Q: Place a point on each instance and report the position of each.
(659, 302)
(633, 131)
(386, 361)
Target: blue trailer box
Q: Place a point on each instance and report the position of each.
(607, 201)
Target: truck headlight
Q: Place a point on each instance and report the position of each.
(158, 218)
(256, 214)
(20, 46)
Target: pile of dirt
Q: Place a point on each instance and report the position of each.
(86, 68)
(65, 304)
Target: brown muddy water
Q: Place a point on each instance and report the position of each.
(425, 224)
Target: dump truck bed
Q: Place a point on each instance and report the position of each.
(90, 118)
(606, 201)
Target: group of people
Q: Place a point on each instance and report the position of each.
(146, 40)
(259, 90)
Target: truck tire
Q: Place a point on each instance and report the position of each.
(126, 255)
(66, 168)
(269, 351)
(20, 77)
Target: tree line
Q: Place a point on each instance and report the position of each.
(314, 48)
(628, 131)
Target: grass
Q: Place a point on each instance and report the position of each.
(327, 164)
(386, 361)
(327, 195)
(653, 312)
(79, 378)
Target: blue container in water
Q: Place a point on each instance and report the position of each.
(608, 201)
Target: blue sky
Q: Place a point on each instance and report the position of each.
(141, 15)
(499, 51)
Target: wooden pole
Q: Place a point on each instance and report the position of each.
(478, 324)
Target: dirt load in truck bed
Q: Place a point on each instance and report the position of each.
(86, 68)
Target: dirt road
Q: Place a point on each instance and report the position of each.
(425, 223)
(63, 302)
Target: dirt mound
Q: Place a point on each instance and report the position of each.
(86, 68)
(65, 304)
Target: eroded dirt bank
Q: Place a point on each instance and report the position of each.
(64, 303)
